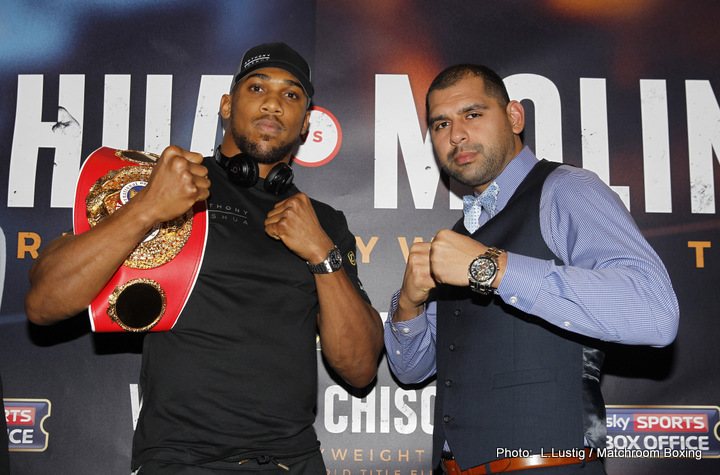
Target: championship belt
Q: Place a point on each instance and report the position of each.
(150, 289)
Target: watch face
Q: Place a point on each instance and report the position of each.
(335, 259)
(482, 269)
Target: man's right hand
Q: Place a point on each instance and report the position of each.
(178, 181)
(417, 283)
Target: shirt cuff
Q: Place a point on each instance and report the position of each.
(522, 280)
(407, 328)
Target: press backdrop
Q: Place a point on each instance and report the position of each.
(626, 89)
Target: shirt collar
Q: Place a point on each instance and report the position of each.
(513, 174)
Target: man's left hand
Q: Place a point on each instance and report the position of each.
(294, 222)
(450, 257)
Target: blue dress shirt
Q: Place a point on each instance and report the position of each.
(612, 286)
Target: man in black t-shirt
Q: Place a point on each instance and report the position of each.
(233, 385)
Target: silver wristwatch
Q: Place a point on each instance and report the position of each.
(329, 265)
(483, 270)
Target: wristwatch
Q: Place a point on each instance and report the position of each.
(483, 270)
(329, 265)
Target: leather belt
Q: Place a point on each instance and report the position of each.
(518, 463)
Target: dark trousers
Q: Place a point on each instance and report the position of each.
(311, 464)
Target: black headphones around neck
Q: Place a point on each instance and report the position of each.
(244, 171)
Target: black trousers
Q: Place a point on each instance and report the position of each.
(311, 464)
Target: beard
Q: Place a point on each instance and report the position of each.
(265, 156)
(494, 159)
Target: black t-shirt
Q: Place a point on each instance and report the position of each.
(237, 375)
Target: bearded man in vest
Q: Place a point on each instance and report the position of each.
(510, 307)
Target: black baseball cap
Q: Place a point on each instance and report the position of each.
(275, 55)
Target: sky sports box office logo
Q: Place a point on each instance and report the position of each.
(663, 431)
(25, 418)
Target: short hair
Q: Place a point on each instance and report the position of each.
(450, 76)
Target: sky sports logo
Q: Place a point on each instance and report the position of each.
(663, 431)
(25, 418)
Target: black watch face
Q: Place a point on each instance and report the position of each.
(335, 259)
(483, 269)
